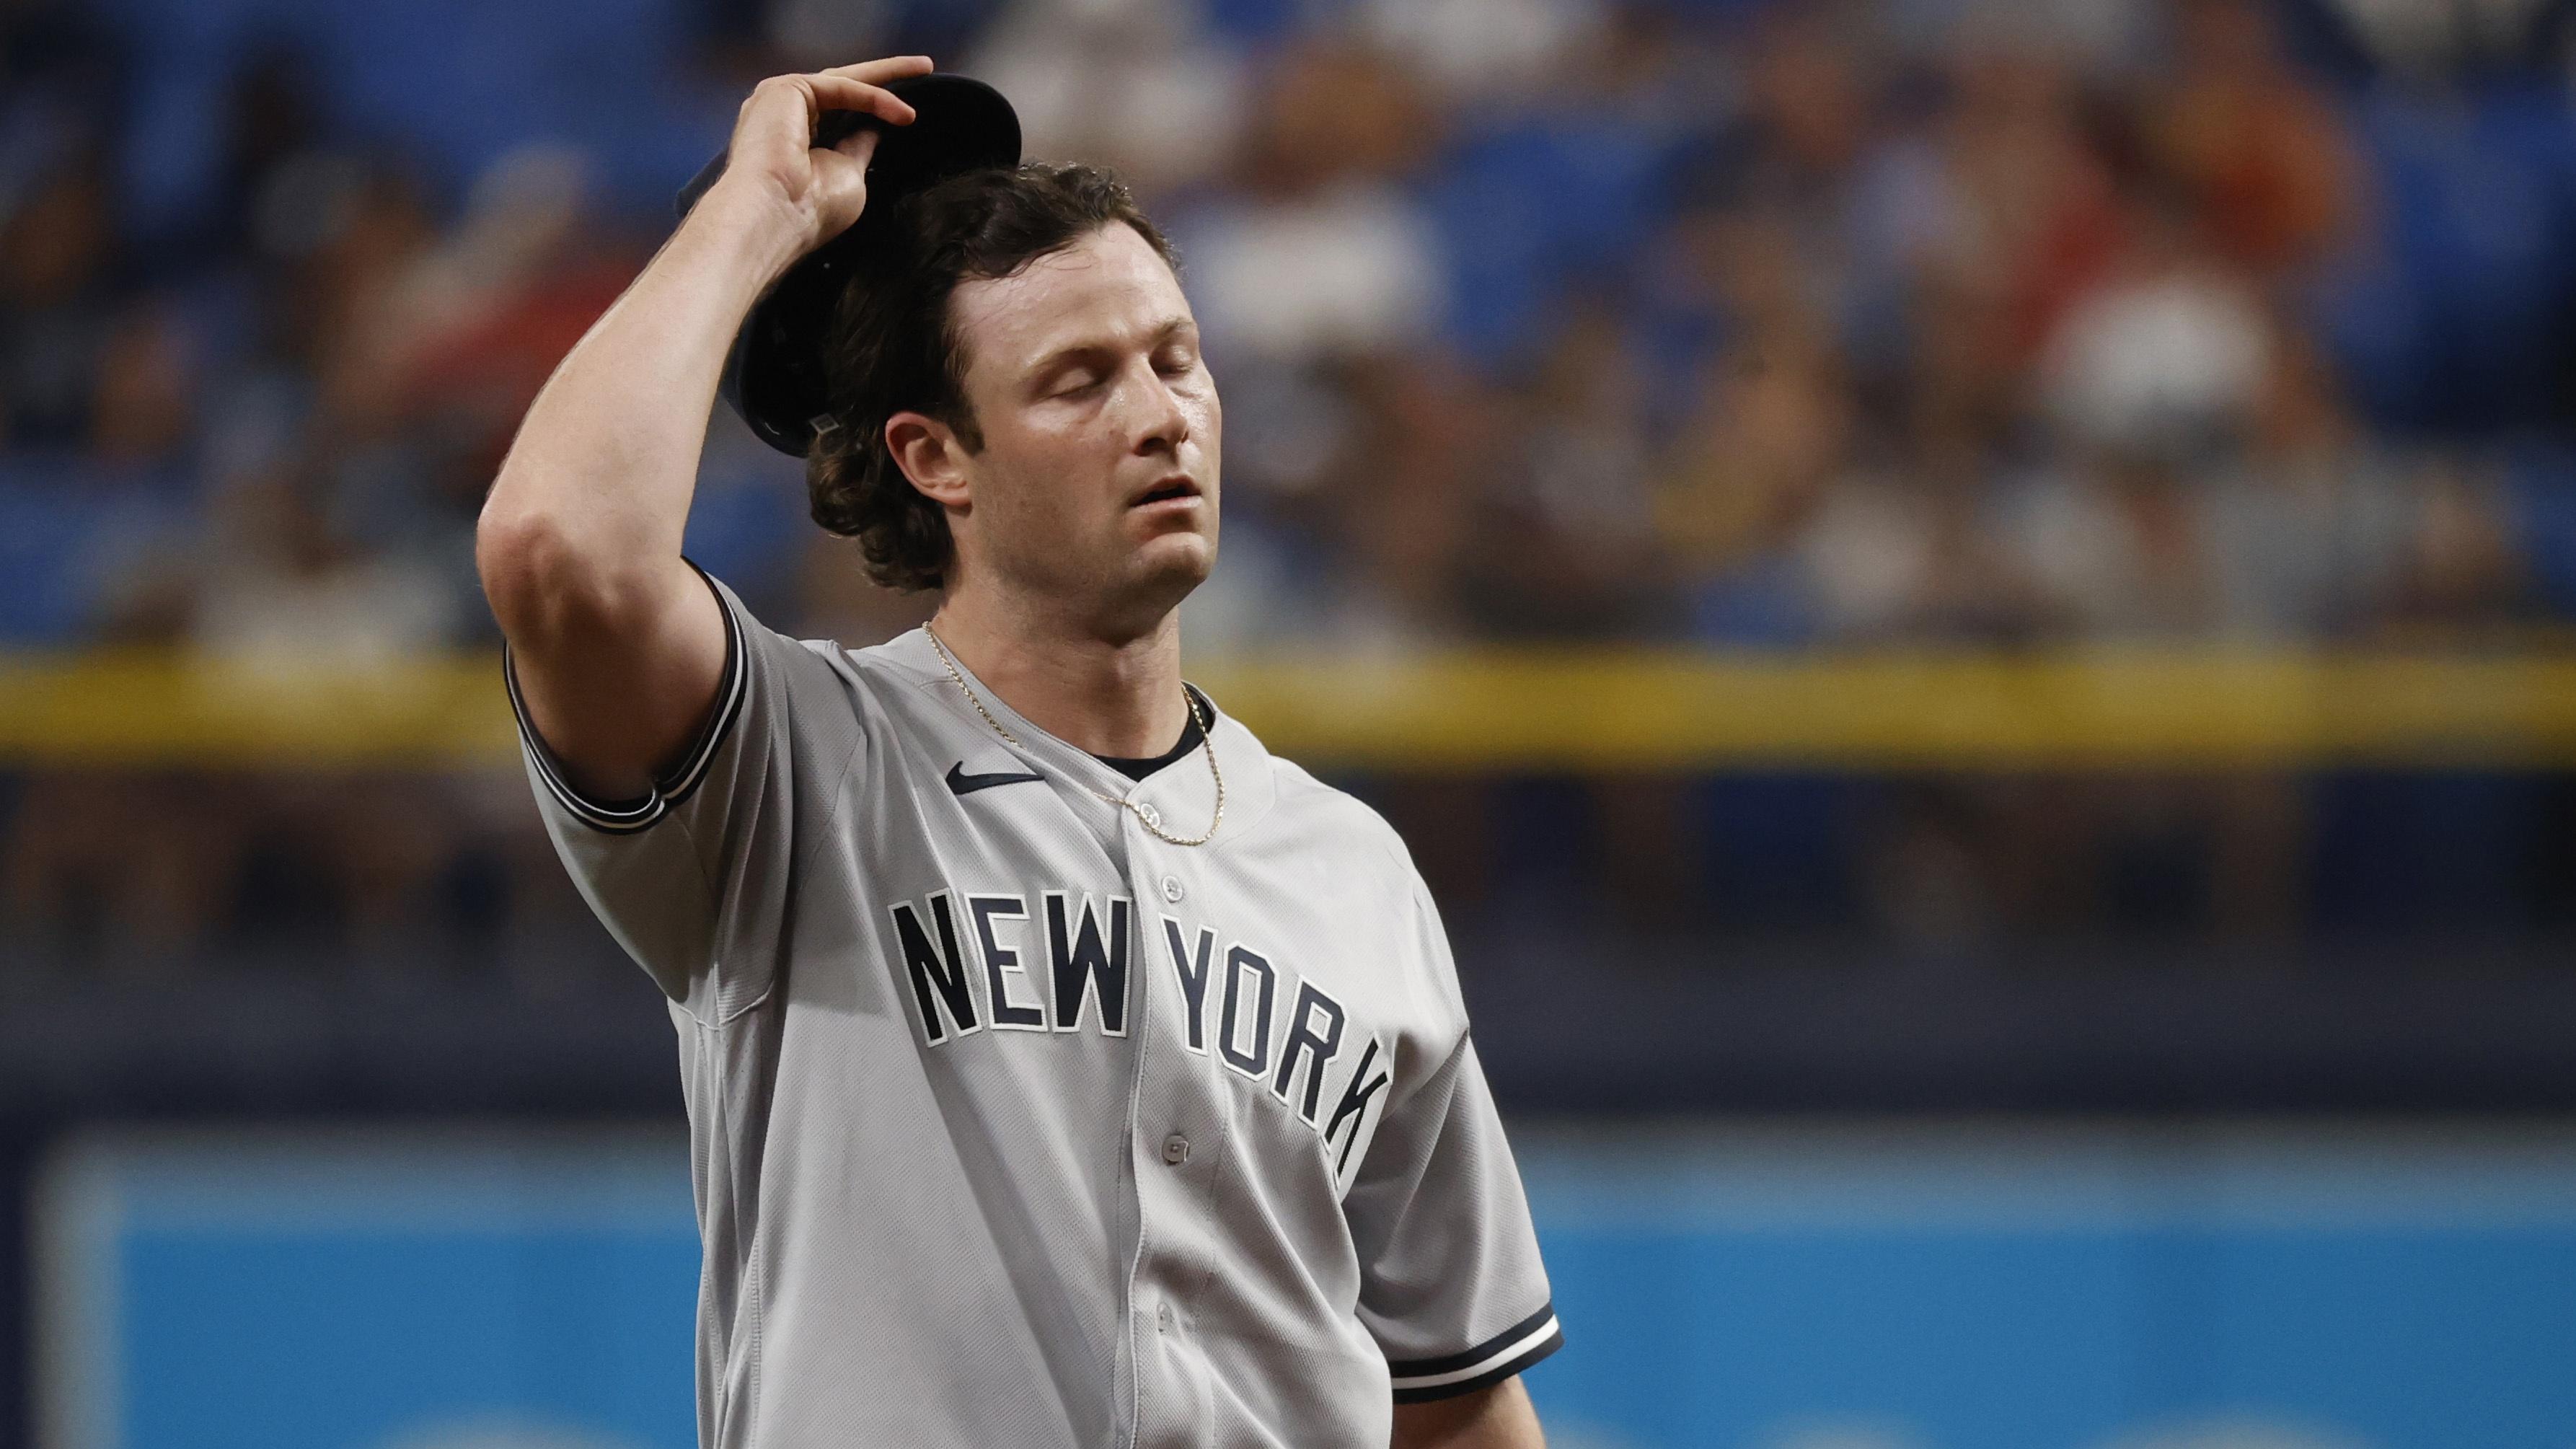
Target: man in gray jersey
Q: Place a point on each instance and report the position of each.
(1061, 1067)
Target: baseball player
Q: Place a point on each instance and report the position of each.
(1062, 1067)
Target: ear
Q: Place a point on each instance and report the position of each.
(928, 452)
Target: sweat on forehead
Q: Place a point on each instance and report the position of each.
(1108, 290)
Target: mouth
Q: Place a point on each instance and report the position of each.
(1170, 490)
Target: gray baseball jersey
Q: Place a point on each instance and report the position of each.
(1012, 1124)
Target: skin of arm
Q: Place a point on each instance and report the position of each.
(618, 647)
(1496, 1418)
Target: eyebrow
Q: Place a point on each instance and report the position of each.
(1170, 328)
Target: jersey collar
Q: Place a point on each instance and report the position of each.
(1183, 791)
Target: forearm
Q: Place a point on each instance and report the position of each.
(619, 649)
(607, 457)
(1497, 1418)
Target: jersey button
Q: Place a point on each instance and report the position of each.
(1164, 1318)
(1172, 889)
(1176, 1149)
(1152, 817)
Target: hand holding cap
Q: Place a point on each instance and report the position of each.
(775, 376)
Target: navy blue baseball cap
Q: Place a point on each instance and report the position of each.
(775, 375)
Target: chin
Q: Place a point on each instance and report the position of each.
(1180, 550)
(1167, 569)
(1181, 570)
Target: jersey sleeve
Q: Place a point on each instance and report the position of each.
(692, 877)
(1451, 1282)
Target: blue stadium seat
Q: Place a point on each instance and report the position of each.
(66, 527)
(457, 83)
(1524, 212)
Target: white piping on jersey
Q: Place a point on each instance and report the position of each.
(1487, 1364)
(665, 792)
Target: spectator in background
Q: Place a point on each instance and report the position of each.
(285, 592)
(347, 228)
(2270, 166)
(1562, 537)
(271, 120)
(1915, 546)
(1779, 325)
(2146, 379)
(1317, 279)
(144, 400)
(1812, 156)
(56, 303)
(1482, 55)
(2314, 521)
(1773, 430)
(2029, 213)
(2465, 578)
(1428, 439)
(466, 324)
(1321, 252)
(1135, 85)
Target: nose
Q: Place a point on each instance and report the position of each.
(1162, 423)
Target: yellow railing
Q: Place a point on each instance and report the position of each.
(1476, 710)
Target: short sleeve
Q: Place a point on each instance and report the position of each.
(1451, 1283)
(691, 878)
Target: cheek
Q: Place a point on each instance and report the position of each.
(1211, 440)
(1057, 480)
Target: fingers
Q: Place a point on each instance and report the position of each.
(877, 72)
(822, 91)
(779, 117)
(829, 92)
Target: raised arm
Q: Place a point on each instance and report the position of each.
(617, 646)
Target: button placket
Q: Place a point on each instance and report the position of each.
(1177, 1168)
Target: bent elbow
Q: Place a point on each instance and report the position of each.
(544, 583)
(521, 557)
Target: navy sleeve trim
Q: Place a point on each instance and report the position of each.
(619, 817)
(1419, 1381)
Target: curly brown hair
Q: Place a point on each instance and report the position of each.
(896, 347)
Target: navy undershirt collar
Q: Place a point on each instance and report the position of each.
(1191, 734)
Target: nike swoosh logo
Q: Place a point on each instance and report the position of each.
(965, 784)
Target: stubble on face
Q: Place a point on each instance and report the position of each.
(1084, 374)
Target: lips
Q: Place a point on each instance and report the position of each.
(1168, 489)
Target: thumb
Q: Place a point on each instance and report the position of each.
(840, 173)
(860, 145)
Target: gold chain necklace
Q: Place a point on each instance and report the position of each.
(1146, 814)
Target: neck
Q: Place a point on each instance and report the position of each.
(1117, 696)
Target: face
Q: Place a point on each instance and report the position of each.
(1096, 486)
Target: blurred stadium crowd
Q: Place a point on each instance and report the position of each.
(1772, 326)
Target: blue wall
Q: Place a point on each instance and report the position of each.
(2001, 1288)
(1818, 1287)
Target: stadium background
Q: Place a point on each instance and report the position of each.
(1965, 605)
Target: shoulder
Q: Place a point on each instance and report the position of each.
(1364, 856)
(880, 670)
(768, 647)
(1334, 819)
(819, 689)
(1359, 862)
